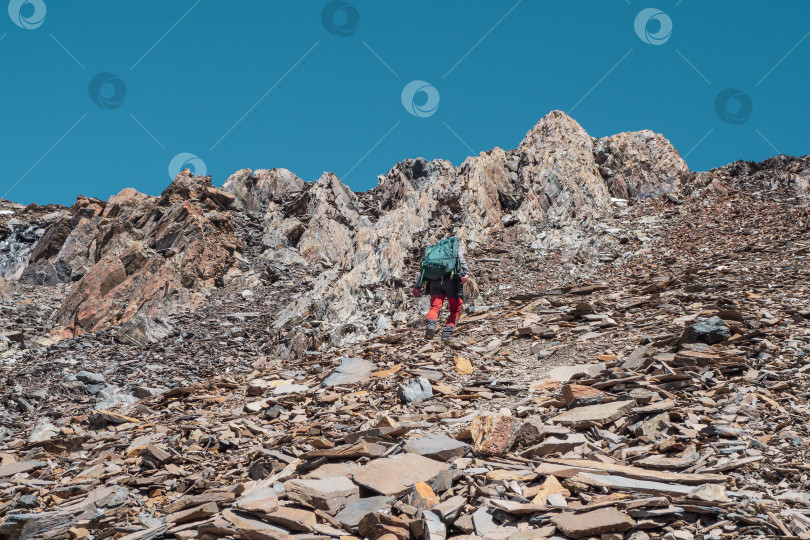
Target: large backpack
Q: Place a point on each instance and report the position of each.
(441, 259)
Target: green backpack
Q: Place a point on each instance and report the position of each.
(441, 259)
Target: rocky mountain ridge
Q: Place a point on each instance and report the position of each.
(139, 254)
(634, 368)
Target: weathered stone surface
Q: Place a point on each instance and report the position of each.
(142, 330)
(494, 434)
(375, 526)
(437, 447)
(43, 431)
(394, 476)
(565, 373)
(329, 494)
(640, 164)
(598, 414)
(350, 371)
(559, 444)
(533, 430)
(709, 331)
(423, 497)
(604, 520)
(416, 390)
(11, 469)
(712, 493)
(136, 254)
(295, 519)
(260, 501)
(463, 366)
(356, 510)
(551, 486)
(247, 526)
(575, 394)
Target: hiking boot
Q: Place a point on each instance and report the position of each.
(429, 333)
(447, 333)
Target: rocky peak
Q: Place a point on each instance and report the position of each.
(640, 165)
(254, 190)
(140, 254)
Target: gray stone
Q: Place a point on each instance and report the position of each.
(595, 522)
(655, 427)
(483, 522)
(350, 371)
(710, 331)
(18, 467)
(396, 475)
(143, 330)
(141, 392)
(559, 445)
(434, 528)
(603, 413)
(259, 501)
(357, 509)
(113, 396)
(416, 390)
(449, 508)
(679, 535)
(29, 501)
(88, 377)
(329, 494)
(533, 430)
(437, 447)
(566, 373)
(289, 389)
(43, 431)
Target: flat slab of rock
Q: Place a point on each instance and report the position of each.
(249, 527)
(356, 510)
(295, 519)
(20, 467)
(596, 522)
(437, 447)
(329, 494)
(350, 371)
(576, 394)
(566, 373)
(260, 501)
(560, 444)
(396, 475)
(603, 413)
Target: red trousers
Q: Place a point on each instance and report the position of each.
(436, 302)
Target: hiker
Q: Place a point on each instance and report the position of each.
(445, 271)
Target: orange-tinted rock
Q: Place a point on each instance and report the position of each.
(494, 434)
(577, 394)
(138, 254)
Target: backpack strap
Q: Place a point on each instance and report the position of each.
(455, 256)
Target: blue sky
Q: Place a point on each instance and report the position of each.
(317, 86)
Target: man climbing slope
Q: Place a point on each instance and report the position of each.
(445, 270)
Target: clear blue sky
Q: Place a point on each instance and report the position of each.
(185, 72)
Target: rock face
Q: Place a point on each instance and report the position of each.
(355, 243)
(640, 165)
(354, 252)
(136, 254)
(21, 227)
(791, 174)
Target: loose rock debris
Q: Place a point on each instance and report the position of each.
(663, 398)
